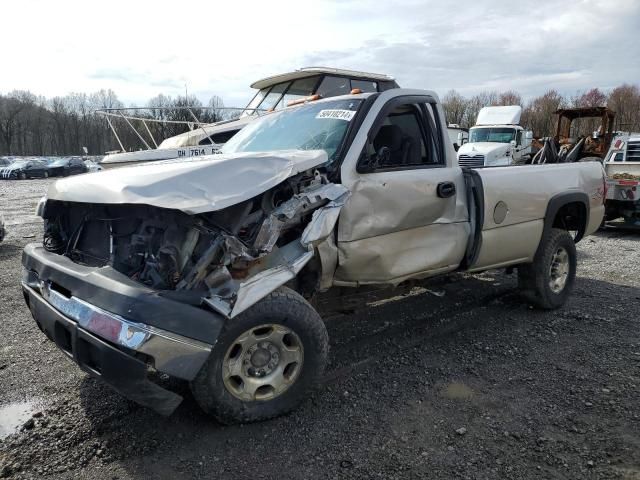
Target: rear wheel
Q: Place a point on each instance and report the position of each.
(265, 362)
(548, 281)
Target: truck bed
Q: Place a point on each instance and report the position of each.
(525, 192)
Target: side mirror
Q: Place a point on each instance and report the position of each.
(528, 135)
(460, 138)
(513, 143)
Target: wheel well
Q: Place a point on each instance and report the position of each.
(572, 217)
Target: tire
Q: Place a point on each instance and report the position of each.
(535, 279)
(218, 390)
(22, 176)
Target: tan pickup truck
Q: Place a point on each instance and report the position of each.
(205, 269)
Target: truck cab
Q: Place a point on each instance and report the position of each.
(497, 139)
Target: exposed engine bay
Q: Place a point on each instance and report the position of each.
(226, 259)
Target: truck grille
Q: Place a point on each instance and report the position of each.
(633, 151)
(471, 161)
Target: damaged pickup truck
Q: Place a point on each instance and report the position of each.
(205, 269)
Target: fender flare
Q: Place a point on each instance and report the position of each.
(560, 200)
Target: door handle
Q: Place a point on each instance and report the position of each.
(446, 189)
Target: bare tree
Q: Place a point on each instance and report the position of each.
(10, 108)
(625, 101)
(538, 115)
(510, 97)
(455, 106)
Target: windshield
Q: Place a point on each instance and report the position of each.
(314, 126)
(493, 134)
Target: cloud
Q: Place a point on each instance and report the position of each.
(527, 49)
(221, 47)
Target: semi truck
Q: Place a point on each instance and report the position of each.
(497, 139)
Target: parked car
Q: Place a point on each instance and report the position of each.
(180, 267)
(92, 166)
(24, 169)
(63, 167)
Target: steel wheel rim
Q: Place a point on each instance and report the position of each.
(559, 270)
(262, 363)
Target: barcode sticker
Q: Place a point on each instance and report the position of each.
(337, 114)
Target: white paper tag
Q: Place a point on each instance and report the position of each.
(336, 114)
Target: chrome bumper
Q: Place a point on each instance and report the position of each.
(172, 354)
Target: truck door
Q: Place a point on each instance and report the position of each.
(406, 216)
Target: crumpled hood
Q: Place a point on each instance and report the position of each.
(492, 151)
(194, 185)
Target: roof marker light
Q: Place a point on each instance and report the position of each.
(312, 98)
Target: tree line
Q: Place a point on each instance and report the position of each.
(35, 125)
(537, 113)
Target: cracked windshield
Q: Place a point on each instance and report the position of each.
(315, 126)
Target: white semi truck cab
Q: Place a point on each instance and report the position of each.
(497, 139)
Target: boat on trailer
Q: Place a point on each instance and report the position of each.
(205, 138)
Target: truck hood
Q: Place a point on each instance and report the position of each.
(194, 185)
(491, 151)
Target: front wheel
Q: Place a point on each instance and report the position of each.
(548, 281)
(265, 362)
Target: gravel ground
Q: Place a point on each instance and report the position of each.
(454, 378)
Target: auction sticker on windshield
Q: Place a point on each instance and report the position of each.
(337, 114)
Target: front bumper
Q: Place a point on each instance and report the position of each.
(107, 345)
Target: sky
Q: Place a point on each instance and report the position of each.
(142, 48)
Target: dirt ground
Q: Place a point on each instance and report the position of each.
(453, 378)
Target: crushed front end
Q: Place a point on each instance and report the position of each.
(126, 290)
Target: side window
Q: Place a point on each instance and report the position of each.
(222, 137)
(273, 96)
(403, 141)
(519, 138)
(333, 86)
(364, 85)
(300, 88)
(619, 157)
